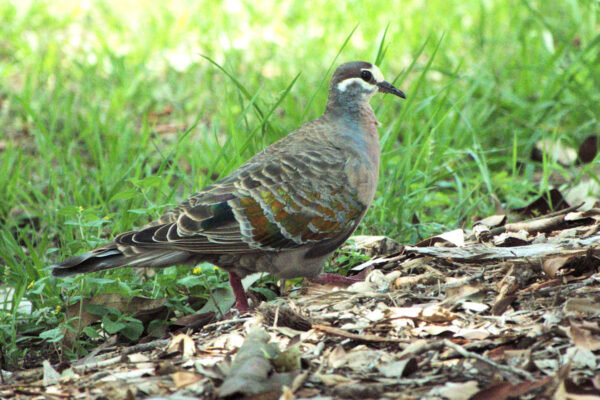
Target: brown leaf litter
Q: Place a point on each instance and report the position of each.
(470, 314)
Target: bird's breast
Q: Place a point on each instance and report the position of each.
(362, 166)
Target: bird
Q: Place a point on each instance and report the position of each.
(284, 211)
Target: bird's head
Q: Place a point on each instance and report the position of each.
(359, 81)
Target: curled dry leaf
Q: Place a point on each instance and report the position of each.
(482, 233)
(511, 239)
(492, 221)
(374, 246)
(182, 344)
(455, 238)
(569, 264)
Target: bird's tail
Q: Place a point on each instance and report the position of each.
(109, 256)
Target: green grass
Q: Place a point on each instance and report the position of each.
(110, 114)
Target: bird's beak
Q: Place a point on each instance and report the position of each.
(386, 87)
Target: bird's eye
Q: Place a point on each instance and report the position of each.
(366, 75)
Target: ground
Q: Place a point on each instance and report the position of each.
(507, 310)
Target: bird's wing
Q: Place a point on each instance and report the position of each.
(278, 200)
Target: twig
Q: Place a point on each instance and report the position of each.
(227, 322)
(354, 336)
(146, 346)
(276, 316)
(464, 281)
(571, 287)
(111, 351)
(532, 223)
(97, 364)
(94, 354)
(468, 354)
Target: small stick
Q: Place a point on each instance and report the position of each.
(468, 354)
(227, 322)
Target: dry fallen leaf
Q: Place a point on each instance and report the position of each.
(183, 378)
(454, 238)
(182, 344)
(140, 360)
(51, 376)
(374, 245)
(473, 334)
(578, 357)
(569, 390)
(433, 330)
(457, 292)
(337, 358)
(332, 379)
(581, 305)
(398, 369)
(492, 221)
(507, 390)
(456, 390)
(583, 337)
(559, 266)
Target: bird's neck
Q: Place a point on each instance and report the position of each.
(357, 112)
(358, 129)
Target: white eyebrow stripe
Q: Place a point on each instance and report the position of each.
(376, 74)
(343, 85)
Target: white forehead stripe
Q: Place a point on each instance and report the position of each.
(376, 74)
(343, 85)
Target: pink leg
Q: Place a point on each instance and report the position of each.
(327, 278)
(241, 301)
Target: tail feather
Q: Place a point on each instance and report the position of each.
(109, 256)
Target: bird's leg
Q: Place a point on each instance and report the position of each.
(241, 301)
(328, 278)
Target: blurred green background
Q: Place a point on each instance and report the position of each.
(109, 113)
